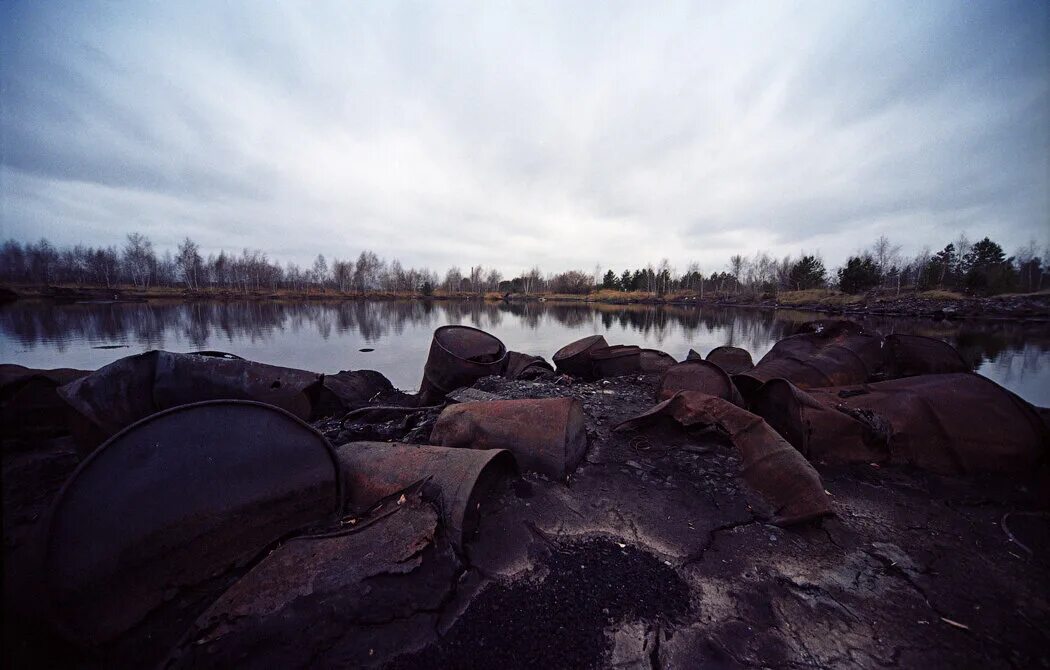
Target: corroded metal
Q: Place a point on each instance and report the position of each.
(456, 479)
(947, 423)
(546, 435)
(616, 360)
(908, 355)
(575, 358)
(813, 360)
(459, 356)
(186, 378)
(770, 465)
(29, 400)
(174, 500)
(524, 366)
(132, 388)
(349, 390)
(654, 360)
(698, 375)
(733, 360)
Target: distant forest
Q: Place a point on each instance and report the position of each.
(980, 267)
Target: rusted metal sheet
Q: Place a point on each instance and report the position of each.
(459, 356)
(947, 423)
(176, 499)
(29, 400)
(909, 355)
(351, 598)
(456, 479)
(813, 361)
(733, 360)
(654, 360)
(524, 366)
(693, 355)
(698, 375)
(575, 358)
(616, 360)
(547, 435)
(770, 465)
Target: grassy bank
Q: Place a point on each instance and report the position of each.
(905, 303)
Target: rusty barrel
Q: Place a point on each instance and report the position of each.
(575, 358)
(616, 360)
(698, 375)
(654, 360)
(814, 361)
(733, 360)
(456, 479)
(459, 356)
(525, 366)
(909, 355)
(172, 501)
(546, 435)
(947, 423)
(771, 465)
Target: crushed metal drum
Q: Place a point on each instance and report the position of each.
(770, 465)
(698, 375)
(575, 358)
(616, 360)
(459, 356)
(733, 360)
(29, 400)
(132, 388)
(813, 360)
(524, 366)
(186, 378)
(909, 355)
(948, 423)
(174, 500)
(545, 435)
(349, 390)
(456, 479)
(654, 360)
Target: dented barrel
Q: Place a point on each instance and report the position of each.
(616, 360)
(910, 355)
(525, 366)
(770, 465)
(698, 375)
(733, 360)
(459, 356)
(545, 435)
(174, 500)
(947, 423)
(456, 479)
(813, 360)
(132, 388)
(654, 360)
(575, 358)
(29, 400)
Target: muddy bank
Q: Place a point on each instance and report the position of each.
(651, 549)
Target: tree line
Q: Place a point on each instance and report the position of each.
(981, 267)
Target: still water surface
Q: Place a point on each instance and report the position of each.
(328, 336)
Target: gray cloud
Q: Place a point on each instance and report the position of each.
(562, 134)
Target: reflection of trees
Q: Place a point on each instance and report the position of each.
(149, 324)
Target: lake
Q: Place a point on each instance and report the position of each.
(329, 336)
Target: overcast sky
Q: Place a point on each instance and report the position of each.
(508, 134)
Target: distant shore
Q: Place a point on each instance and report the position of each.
(932, 304)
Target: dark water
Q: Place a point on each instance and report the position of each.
(327, 336)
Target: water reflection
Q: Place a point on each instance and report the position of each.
(326, 335)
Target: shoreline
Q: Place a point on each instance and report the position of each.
(930, 304)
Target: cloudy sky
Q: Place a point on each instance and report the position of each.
(510, 134)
